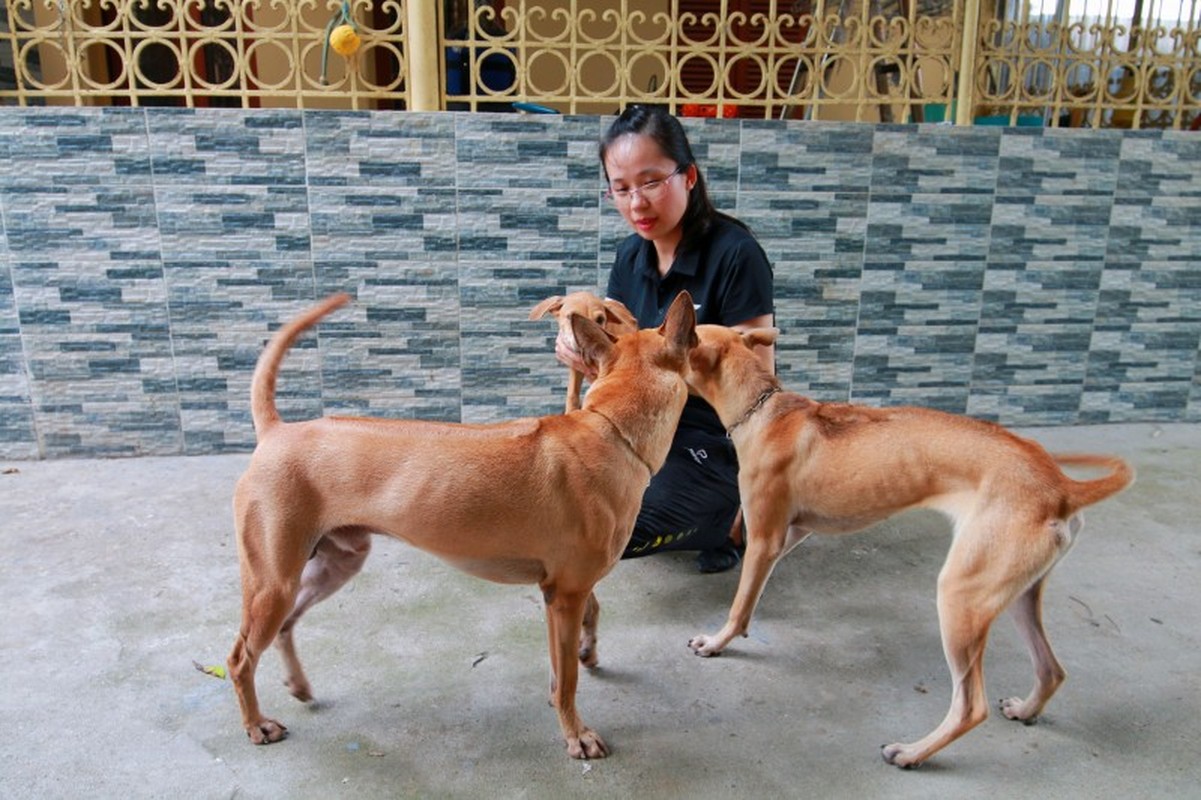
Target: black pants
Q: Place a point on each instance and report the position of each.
(691, 502)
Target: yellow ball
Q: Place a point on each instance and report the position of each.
(344, 40)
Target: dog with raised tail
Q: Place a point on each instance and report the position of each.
(808, 467)
(549, 500)
(612, 315)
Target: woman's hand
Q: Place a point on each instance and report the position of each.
(566, 352)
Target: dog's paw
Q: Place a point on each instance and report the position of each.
(299, 689)
(589, 744)
(266, 731)
(705, 645)
(588, 656)
(899, 756)
(588, 650)
(1016, 708)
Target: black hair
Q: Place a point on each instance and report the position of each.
(667, 132)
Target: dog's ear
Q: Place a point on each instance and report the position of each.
(594, 343)
(760, 337)
(705, 356)
(616, 311)
(679, 328)
(549, 305)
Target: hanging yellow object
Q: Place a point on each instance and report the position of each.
(344, 40)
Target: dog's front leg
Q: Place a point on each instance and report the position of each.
(564, 618)
(575, 384)
(762, 555)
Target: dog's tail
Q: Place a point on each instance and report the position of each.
(262, 387)
(1084, 493)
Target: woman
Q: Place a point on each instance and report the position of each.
(682, 242)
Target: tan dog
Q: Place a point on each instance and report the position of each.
(510, 502)
(611, 315)
(809, 467)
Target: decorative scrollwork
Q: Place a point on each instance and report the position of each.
(1098, 72)
(203, 51)
(861, 59)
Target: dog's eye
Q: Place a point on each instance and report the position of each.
(599, 319)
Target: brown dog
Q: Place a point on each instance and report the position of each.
(611, 315)
(809, 467)
(510, 502)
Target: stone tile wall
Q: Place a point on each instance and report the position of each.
(1028, 276)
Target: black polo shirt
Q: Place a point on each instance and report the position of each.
(728, 276)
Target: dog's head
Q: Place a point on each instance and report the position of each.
(665, 346)
(631, 354)
(611, 315)
(725, 357)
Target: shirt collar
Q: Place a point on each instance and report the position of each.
(685, 264)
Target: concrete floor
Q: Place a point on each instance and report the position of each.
(118, 575)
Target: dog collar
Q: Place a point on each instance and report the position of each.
(758, 404)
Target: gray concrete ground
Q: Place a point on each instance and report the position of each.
(117, 575)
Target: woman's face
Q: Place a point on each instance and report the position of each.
(635, 160)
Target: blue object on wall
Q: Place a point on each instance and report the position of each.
(497, 74)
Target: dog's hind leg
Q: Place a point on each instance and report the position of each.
(1049, 675)
(338, 557)
(975, 585)
(1027, 613)
(964, 634)
(269, 583)
(588, 654)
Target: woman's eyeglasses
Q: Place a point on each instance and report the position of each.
(651, 190)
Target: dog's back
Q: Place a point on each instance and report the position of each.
(859, 463)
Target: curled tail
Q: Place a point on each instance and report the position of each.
(262, 387)
(1085, 493)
